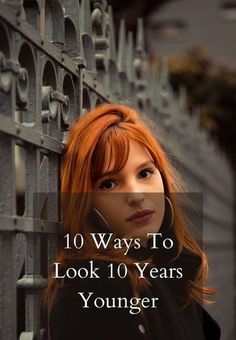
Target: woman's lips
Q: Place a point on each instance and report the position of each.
(140, 217)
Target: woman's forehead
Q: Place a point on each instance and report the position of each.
(137, 154)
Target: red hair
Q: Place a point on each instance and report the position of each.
(110, 127)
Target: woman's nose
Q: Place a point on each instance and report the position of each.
(135, 198)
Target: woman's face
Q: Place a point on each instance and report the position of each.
(136, 189)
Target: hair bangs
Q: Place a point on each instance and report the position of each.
(140, 135)
(115, 142)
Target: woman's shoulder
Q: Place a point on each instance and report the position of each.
(87, 299)
(211, 327)
(82, 278)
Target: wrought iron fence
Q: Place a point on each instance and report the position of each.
(58, 59)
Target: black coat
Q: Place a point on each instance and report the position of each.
(68, 319)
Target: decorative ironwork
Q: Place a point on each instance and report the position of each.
(58, 59)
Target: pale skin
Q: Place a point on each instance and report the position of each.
(136, 187)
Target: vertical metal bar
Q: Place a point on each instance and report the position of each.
(53, 203)
(32, 280)
(7, 241)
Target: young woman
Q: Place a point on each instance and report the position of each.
(127, 267)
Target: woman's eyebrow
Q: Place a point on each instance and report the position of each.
(146, 163)
(108, 173)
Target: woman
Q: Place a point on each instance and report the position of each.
(127, 266)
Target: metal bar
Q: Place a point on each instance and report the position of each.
(25, 134)
(28, 32)
(28, 225)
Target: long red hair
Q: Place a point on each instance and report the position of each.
(112, 126)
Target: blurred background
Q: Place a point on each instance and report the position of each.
(195, 40)
(58, 59)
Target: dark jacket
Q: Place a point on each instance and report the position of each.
(68, 319)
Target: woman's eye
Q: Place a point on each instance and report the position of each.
(107, 185)
(146, 173)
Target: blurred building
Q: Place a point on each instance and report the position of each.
(181, 24)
